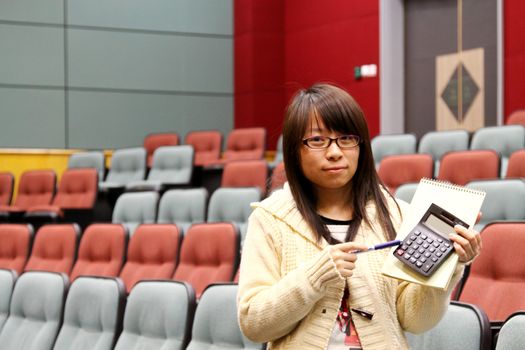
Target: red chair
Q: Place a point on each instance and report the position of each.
(54, 249)
(152, 254)
(516, 117)
(245, 144)
(497, 277)
(209, 254)
(36, 187)
(101, 252)
(397, 170)
(245, 173)
(15, 244)
(462, 167)
(516, 164)
(156, 140)
(278, 178)
(207, 145)
(6, 188)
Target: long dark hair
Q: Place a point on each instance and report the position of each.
(341, 113)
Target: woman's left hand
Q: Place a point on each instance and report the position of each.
(467, 243)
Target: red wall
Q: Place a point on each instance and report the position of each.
(514, 56)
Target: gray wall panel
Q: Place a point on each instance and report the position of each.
(32, 118)
(31, 55)
(150, 61)
(41, 11)
(116, 120)
(194, 16)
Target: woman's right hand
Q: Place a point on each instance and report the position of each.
(343, 257)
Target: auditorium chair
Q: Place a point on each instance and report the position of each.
(183, 207)
(6, 188)
(101, 252)
(437, 143)
(279, 157)
(7, 284)
(215, 325)
(516, 165)
(386, 145)
(135, 208)
(155, 140)
(54, 248)
(461, 167)
(516, 118)
(209, 254)
(504, 139)
(245, 144)
(396, 170)
(278, 178)
(152, 254)
(512, 333)
(207, 145)
(127, 164)
(246, 173)
(15, 244)
(406, 191)
(158, 316)
(91, 159)
(93, 314)
(35, 312)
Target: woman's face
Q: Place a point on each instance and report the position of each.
(330, 168)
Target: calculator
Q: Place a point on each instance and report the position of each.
(427, 245)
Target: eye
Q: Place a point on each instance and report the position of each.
(317, 140)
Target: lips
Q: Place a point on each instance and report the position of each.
(335, 168)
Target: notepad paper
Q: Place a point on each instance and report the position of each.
(462, 202)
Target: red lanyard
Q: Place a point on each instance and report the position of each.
(343, 316)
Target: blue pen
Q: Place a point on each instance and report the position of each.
(388, 244)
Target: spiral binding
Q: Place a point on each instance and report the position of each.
(448, 184)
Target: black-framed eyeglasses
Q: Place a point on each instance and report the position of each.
(322, 142)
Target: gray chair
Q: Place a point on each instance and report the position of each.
(7, 284)
(233, 205)
(386, 145)
(35, 313)
(183, 207)
(135, 208)
(406, 191)
(172, 166)
(503, 139)
(92, 315)
(504, 200)
(92, 159)
(437, 143)
(464, 326)
(215, 326)
(158, 316)
(512, 333)
(278, 153)
(127, 165)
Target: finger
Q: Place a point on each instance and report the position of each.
(464, 244)
(461, 252)
(471, 235)
(479, 217)
(351, 246)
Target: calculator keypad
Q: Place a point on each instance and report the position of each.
(423, 250)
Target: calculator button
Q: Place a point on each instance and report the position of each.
(424, 236)
(447, 245)
(417, 255)
(404, 247)
(415, 246)
(412, 260)
(430, 240)
(436, 244)
(439, 254)
(425, 245)
(434, 259)
(413, 237)
(443, 249)
(440, 240)
(423, 259)
(419, 263)
(419, 241)
(421, 250)
(400, 252)
(417, 233)
(408, 242)
(406, 256)
(411, 251)
(427, 255)
(432, 249)
(427, 267)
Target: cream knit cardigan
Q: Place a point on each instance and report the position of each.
(290, 290)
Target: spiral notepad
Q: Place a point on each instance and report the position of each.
(463, 202)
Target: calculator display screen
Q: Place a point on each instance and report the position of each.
(439, 225)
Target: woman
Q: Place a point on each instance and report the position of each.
(301, 284)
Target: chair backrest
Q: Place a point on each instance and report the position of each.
(54, 249)
(387, 145)
(437, 143)
(7, 284)
(78, 189)
(35, 313)
(504, 200)
(406, 191)
(207, 145)
(93, 314)
(245, 173)
(405, 168)
(516, 118)
(7, 181)
(172, 165)
(278, 178)
(209, 254)
(512, 333)
(156, 140)
(183, 207)
(503, 139)
(279, 157)
(233, 204)
(135, 208)
(463, 166)
(152, 254)
(464, 327)
(92, 159)
(101, 251)
(15, 243)
(127, 164)
(215, 325)
(159, 315)
(245, 144)
(497, 277)
(516, 164)
(36, 187)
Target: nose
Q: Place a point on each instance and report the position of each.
(333, 151)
